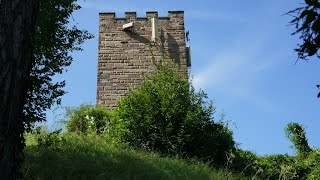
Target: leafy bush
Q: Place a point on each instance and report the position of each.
(314, 174)
(276, 166)
(166, 115)
(44, 138)
(244, 161)
(88, 118)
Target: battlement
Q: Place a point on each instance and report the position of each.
(124, 53)
(149, 14)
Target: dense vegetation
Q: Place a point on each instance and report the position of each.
(164, 129)
(166, 115)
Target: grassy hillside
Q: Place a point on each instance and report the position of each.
(91, 157)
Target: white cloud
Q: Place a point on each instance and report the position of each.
(237, 70)
(224, 67)
(236, 62)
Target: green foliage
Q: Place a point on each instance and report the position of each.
(280, 166)
(311, 164)
(166, 115)
(266, 167)
(296, 135)
(54, 40)
(305, 165)
(89, 118)
(154, 114)
(314, 174)
(95, 157)
(275, 167)
(46, 139)
(244, 161)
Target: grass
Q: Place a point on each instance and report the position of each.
(91, 157)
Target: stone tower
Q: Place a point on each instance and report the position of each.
(124, 50)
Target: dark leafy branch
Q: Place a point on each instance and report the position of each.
(306, 20)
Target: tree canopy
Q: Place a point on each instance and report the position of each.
(35, 44)
(54, 41)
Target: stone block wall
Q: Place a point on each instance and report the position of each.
(124, 55)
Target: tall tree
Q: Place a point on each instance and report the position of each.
(55, 39)
(53, 42)
(306, 20)
(17, 25)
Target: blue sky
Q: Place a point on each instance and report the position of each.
(242, 57)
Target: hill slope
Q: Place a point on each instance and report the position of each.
(91, 157)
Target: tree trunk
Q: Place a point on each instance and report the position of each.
(17, 25)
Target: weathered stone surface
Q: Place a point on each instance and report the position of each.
(124, 55)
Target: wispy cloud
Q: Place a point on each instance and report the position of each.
(237, 70)
(224, 67)
(237, 62)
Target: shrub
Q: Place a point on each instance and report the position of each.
(314, 174)
(88, 118)
(276, 166)
(166, 115)
(244, 161)
(43, 138)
